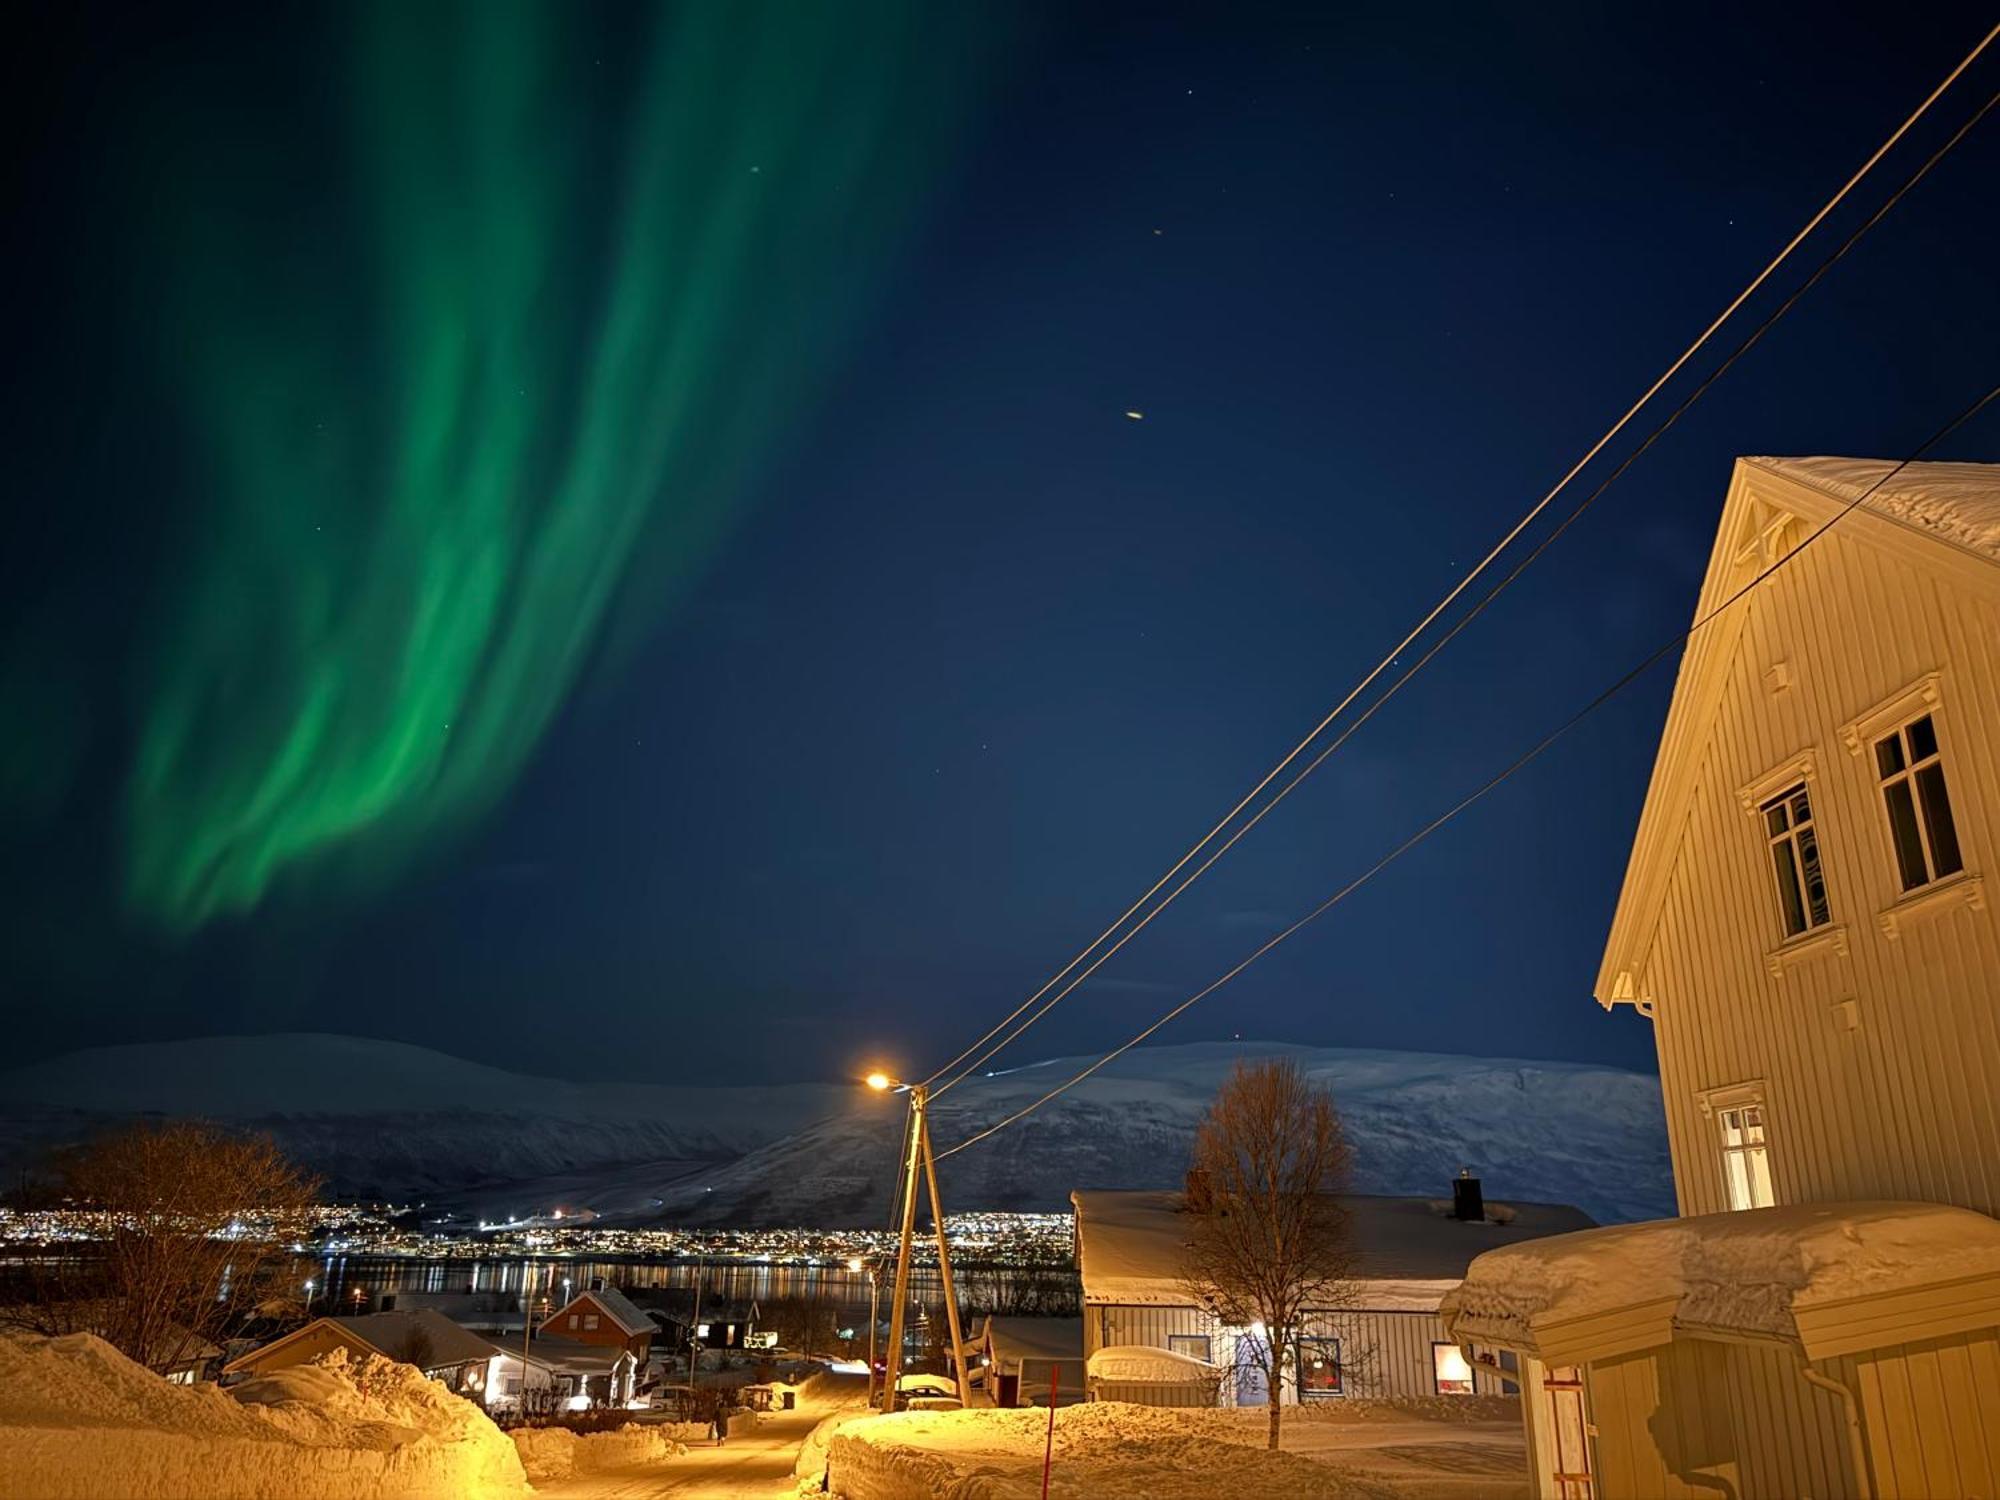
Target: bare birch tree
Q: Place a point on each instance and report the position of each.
(195, 1220)
(1268, 1242)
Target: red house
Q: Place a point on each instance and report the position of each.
(602, 1315)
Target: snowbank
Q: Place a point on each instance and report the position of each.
(1105, 1450)
(1745, 1272)
(80, 1421)
(557, 1453)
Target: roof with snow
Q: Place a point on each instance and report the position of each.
(1408, 1252)
(418, 1336)
(569, 1356)
(1035, 1338)
(1955, 503)
(1829, 1279)
(613, 1304)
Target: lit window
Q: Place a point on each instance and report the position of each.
(590, 1320)
(1319, 1368)
(1746, 1167)
(572, 1320)
(1788, 824)
(1449, 1370)
(1913, 793)
(1193, 1345)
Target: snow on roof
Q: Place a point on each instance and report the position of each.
(1035, 1338)
(614, 1304)
(1142, 1362)
(1747, 1272)
(403, 1334)
(1956, 503)
(1408, 1251)
(567, 1355)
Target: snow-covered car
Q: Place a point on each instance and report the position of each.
(926, 1393)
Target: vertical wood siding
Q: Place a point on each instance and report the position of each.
(1907, 1104)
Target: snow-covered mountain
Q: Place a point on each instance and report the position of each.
(389, 1119)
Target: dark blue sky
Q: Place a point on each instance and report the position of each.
(983, 655)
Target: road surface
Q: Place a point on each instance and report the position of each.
(750, 1466)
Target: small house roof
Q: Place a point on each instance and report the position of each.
(394, 1335)
(1826, 1278)
(400, 1332)
(1131, 1246)
(1035, 1338)
(570, 1356)
(613, 1304)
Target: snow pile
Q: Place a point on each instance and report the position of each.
(1105, 1450)
(78, 1419)
(1142, 1362)
(1959, 503)
(557, 1453)
(1744, 1272)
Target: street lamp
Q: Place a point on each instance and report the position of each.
(918, 1157)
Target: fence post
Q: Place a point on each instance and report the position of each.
(1049, 1449)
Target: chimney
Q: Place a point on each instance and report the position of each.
(1200, 1193)
(1468, 1203)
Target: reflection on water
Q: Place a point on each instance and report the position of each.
(339, 1277)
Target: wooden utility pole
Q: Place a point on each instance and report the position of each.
(919, 1158)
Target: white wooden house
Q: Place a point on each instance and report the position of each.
(1808, 923)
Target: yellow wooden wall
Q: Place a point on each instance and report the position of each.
(1932, 1414)
(1907, 1103)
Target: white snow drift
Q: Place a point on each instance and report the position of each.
(79, 1421)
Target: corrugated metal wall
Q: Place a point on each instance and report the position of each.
(1382, 1353)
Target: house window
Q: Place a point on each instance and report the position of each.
(1913, 793)
(572, 1320)
(1746, 1167)
(589, 1320)
(1788, 824)
(1193, 1345)
(1449, 1371)
(1319, 1367)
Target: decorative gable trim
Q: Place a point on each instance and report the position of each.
(1801, 767)
(1926, 693)
(1730, 1096)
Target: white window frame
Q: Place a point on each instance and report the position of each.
(1792, 840)
(1728, 1108)
(1904, 776)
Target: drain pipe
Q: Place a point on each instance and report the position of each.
(1857, 1448)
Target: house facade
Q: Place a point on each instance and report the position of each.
(1808, 924)
(1385, 1340)
(606, 1317)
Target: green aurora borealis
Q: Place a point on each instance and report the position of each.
(470, 387)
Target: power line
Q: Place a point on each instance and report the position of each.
(1452, 595)
(1477, 609)
(1638, 670)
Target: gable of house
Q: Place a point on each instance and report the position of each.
(1836, 1034)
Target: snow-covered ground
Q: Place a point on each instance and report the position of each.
(79, 1421)
(1469, 1450)
(385, 1119)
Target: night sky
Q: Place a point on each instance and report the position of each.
(625, 519)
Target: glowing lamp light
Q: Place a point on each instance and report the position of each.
(878, 1081)
(854, 1264)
